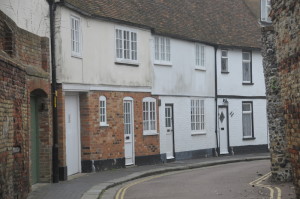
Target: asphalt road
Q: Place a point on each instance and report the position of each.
(230, 181)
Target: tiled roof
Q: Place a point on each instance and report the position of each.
(222, 22)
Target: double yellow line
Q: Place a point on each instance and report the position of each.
(121, 193)
(258, 183)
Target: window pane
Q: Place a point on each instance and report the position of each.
(224, 53)
(246, 72)
(168, 53)
(202, 57)
(162, 48)
(246, 56)
(247, 125)
(156, 40)
(197, 55)
(224, 64)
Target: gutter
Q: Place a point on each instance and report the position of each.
(216, 101)
(55, 168)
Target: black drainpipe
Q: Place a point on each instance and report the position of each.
(216, 101)
(55, 168)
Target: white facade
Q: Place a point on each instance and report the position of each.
(233, 92)
(184, 139)
(30, 15)
(177, 82)
(97, 63)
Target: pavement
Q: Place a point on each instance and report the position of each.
(92, 185)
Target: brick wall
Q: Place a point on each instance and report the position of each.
(24, 72)
(107, 142)
(286, 19)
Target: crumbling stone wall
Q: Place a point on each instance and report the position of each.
(280, 159)
(286, 22)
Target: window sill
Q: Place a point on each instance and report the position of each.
(200, 68)
(78, 56)
(104, 125)
(198, 133)
(163, 63)
(224, 72)
(248, 83)
(149, 133)
(127, 63)
(250, 138)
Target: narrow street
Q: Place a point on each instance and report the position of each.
(229, 181)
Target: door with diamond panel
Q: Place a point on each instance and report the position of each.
(223, 130)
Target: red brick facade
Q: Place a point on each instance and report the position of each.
(24, 73)
(106, 143)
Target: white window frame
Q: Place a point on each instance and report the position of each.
(126, 49)
(200, 56)
(247, 61)
(102, 111)
(225, 58)
(149, 116)
(76, 42)
(197, 116)
(265, 7)
(248, 112)
(162, 50)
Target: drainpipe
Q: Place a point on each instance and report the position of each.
(55, 168)
(216, 101)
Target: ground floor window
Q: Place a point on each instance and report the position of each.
(247, 119)
(197, 115)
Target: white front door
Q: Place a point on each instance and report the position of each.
(128, 131)
(223, 130)
(72, 134)
(169, 129)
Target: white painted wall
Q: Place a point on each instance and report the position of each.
(31, 15)
(184, 140)
(97, 63)
(181, 78)
(236, 123)
(231, 83)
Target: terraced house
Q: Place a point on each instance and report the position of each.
(143, 82)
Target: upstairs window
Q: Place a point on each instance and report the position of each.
(162, 50)
(197, 115)
(247, 120)
(102, 113)
(200, 56)
(126, 45)
(224, 61)
(265, 10)
(149, 115)
(247, 67)
(75, 36)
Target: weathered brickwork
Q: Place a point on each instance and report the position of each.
(280, 159)
(24, 73)
(286, 19)
(106, 143)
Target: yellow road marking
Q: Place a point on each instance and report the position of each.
(121, 193)
(258, 181)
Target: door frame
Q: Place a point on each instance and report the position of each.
(173, 134)
(227, 121)
(132, 128)
(67, 94)
(34, 102)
